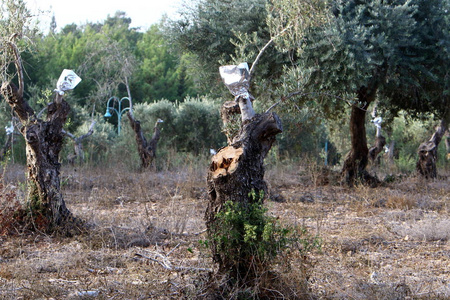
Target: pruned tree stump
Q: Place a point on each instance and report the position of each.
(238, 170)
(45, 208)
(426, 165)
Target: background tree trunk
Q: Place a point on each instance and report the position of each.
(147, 150)
(238, 170)
(356, 161)
(426, 165)
(44, 139)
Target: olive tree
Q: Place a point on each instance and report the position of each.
(45, 207)
(427, 89)
(363, 51)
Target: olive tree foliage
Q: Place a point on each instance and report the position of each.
(349, 58)
(196, 124)
(219, 32)
(291, 20)
(428, 88)
(427, 91)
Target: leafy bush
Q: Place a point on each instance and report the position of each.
(198, 126)
(246, 241)
(192, 126)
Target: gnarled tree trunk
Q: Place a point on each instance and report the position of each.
(356, 161)
(44, 140)
(238, 169)
(147, 150)
(426, 165)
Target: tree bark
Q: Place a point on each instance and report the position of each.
(426, 165)
(237, 170)
(355, 164)
(44, 140)
(147, 150)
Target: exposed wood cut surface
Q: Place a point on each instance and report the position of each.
(225, 161)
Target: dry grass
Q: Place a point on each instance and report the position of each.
(390, 242)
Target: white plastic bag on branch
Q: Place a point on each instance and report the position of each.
(237, 80)
(67, 81)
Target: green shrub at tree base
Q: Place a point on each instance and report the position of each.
(246, 241)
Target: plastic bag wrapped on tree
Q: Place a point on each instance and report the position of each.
(67, 81)
(237, 80)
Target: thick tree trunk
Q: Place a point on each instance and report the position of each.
(146, 150)
(355, 164)
(44, 140)
(238, 170)
(426, 165)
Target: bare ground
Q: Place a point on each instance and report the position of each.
(390, 242)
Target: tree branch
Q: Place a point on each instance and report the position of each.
(79, 139)
(16, 102)
(90, 131)
(255, 62)
(301, 93)
(68, 134)
(18, 63)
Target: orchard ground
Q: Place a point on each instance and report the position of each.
(144, 242)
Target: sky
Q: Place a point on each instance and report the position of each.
(143, 13)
